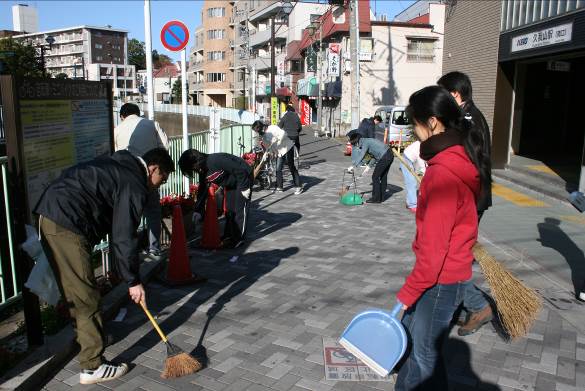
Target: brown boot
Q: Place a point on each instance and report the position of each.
(475, 321)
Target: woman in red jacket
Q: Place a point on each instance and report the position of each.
(446, 230)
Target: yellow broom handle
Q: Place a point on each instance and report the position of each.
(162, 335)
(399, 157)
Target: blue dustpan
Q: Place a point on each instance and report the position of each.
(377, 338)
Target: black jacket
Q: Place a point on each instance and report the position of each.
(226, 170)
(480, 126)
(291, 124)
(100, 197)
(367, 128)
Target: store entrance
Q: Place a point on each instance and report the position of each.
(553, 128)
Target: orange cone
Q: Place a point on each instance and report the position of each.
(179, 267)
(210, 236)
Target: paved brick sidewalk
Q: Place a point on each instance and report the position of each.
(311, 264)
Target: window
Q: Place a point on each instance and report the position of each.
(98, 46)
(399, 118)
(215, 56)
(295, 66)
(215, 77)
(241, 75)
(216, 12)
(420, 50)
(215, 34)
(99, 58)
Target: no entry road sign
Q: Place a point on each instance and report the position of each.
(174, 36)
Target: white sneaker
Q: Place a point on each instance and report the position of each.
(299, 190)
(106, 371)
(582, 296)
(279, 189)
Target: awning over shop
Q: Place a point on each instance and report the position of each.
(283, 91)
(333, 89)
(308, 87)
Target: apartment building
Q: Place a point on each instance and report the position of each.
(396, 59)
(252, 56)
(211, 70)
(88, 52)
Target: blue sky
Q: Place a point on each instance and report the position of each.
(129, 15)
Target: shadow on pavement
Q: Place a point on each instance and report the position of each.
(552, 236)
(221, 273)
(266, 261)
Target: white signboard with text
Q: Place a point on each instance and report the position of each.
(545, 37)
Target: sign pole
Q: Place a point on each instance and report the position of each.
(184, 99)
(148, 39)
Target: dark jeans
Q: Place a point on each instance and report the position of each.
(427, 326)
(290, 161)
(297, 142)
(236, 217)
(475, 300)
(380, 176)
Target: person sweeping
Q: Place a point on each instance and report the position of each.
(87, 202)
(281, 146)
(384, 157)
(234, 175)
(446, 230)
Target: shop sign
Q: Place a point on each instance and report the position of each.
(305, 110)
(558, 66)
(274, 110)
(333, 61)
(545, 37)
(312, 61)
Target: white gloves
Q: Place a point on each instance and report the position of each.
(350, 169)
(246, 193)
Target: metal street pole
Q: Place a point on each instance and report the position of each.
(148, 41)
(320, 79)
(272, 65)
(354, 36)
(184, 99)
(254, 89)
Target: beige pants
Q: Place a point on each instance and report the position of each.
(70, 257)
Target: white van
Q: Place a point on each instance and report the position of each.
(399, 128)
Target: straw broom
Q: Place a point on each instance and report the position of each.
(517, 305)
(178, 363)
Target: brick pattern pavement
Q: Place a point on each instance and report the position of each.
(310, 266)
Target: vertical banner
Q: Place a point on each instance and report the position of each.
(311, 61)
(282, 108)
(305, 110)
(333, 62)
(274, 110)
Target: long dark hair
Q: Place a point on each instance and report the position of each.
(193, 162)
(435, 101)
(457, 82)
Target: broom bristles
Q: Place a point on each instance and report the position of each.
(180, 365)
(517, 305)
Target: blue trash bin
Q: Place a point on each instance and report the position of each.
(377, 338)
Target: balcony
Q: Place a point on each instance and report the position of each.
(258, 37)
(263, 62)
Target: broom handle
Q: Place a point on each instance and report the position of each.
(159, 331)
(399, 157)
(262, 161)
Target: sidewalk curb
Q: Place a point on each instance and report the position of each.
(31, 372)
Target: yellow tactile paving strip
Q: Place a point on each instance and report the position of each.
(573, 219)
(516, 197)
(542, 168)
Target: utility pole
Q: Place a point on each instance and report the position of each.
(320, 79)
(148, 39)
(254, 89)
(272, 67)
(354, 36)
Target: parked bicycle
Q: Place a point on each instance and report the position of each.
(263, 180)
